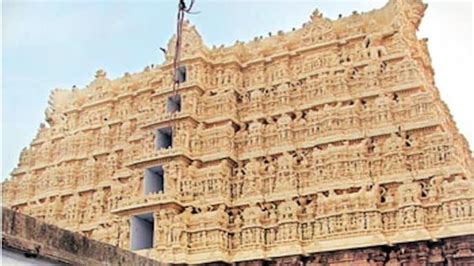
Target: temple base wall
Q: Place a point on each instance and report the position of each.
(449, 251)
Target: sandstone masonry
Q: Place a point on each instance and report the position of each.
(325, 138)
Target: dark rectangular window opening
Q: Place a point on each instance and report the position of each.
(181, 74)
(154, 180)
(173, 104)
(164, 138)
(141, 231)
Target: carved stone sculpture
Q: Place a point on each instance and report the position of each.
(326, 138)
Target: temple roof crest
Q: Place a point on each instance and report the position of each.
(191, 43)
(318, 29)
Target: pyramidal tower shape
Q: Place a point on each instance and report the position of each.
(328, 138)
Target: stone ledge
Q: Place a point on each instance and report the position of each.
(30, 236)
(449, 251)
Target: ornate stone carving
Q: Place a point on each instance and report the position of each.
(328, 137)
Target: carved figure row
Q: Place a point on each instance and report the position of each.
(331, 120)
(306, 90)
(71, 210)
(293, 222)
(349, 81)
(110, 135)
(300, 170)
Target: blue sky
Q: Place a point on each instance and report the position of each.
(58, 44)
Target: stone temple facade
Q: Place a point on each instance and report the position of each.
(329, 137)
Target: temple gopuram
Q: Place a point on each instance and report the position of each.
(328, 144)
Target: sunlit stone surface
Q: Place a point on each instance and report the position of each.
(325, 138)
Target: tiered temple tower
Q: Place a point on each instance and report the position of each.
(329, 137)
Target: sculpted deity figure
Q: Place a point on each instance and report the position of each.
(136, 183)
(72, 210)
(435, 186)
(383, 101)
(300, 121)
(57, 209)
(393, 259)
(253, 167)
(311, 208)
(286, 179)
(255, 133)
(255, 127)
(361, 149)
(317, 155)
(89, 171)
(371, 72)
(312, 115)
(256, 96)
(124, 109)
(125, 131)
(186, 215)
(283, 91)
(288, 210)
(240, 174)
(385, 196)
(182, 139)
(193, 169)
(271, 127)
(195, 142)
(370, 196)
(44, 180)
(284, 121)
(176, 231)
(45, 152)
(270, 167)
(200, 128)
(97, 204)
(436, 255)
(95, 116)
(112, 164)
(285, 162)
(252, 214)
(221, 215)
(394, 143)
(77, 143)
(148, 143)
(162, 228)
(409, 192)
(89, 142)
(251, 182)
(30, 185)
(172, 176)
(117, 195)
(324, 202)
(70, 176)
(225, 169)
(303, 159)
(238, 220)
(241, 132)
(61, 175)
